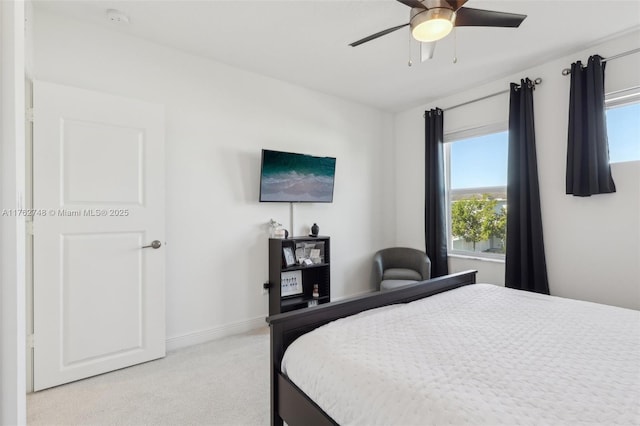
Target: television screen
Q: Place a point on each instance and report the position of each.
(296, 178)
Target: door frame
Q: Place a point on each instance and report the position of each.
(29, 284)
(12, 193)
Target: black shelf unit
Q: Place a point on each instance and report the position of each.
(318, 273)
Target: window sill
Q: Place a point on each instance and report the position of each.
(614, 163)
(480, 258)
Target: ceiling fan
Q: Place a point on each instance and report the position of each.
(432, 20)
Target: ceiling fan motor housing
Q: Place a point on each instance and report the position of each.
(434, 4)
(436, 13)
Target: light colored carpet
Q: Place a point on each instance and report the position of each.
(223, 382)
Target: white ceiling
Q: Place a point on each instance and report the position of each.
(305, 42)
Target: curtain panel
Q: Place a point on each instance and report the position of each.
(525, 264)
(435, 223)
(588, 170)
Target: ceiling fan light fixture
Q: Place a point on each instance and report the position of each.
(433, 24)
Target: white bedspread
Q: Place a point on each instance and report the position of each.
(480, 354)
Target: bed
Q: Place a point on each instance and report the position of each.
(449, 351)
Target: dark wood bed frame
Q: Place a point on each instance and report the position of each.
(288, 402)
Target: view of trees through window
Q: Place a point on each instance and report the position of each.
(478, 194)
(480, 220)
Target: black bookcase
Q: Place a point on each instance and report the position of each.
(291, 285)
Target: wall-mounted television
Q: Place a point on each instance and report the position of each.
(288, 177)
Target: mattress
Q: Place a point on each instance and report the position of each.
(480, 354)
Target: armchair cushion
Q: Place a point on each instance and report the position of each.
(401, 274)
(393, 284)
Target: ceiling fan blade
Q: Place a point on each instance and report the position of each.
(376, 35)
(413, 3)
(426, 50)
(456, 4)
(467, 17)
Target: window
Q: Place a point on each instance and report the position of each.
(623, 128)
(477, 190)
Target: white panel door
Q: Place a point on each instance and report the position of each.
(98, 188)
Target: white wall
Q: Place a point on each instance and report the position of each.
(12, 236)
(218, 119)
(592, 244)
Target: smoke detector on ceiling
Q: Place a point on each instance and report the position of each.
(117, 17)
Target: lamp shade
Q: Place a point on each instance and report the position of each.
(433, 24)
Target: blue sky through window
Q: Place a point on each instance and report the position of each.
(480, 161)
(623, 128)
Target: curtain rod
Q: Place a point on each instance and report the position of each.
(567, 71)
(535, 83)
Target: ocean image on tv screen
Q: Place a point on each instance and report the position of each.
(289, 177)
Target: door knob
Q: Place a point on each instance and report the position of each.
(154, 244)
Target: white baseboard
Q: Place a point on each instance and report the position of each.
(202, 336)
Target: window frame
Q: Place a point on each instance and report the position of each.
(449, 138)
(622, 97)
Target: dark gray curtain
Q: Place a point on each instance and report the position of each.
(435, 225)
(526, 268)
(588, 170)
